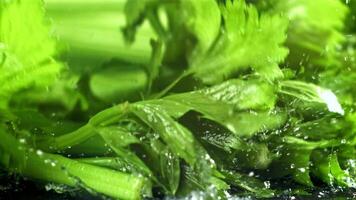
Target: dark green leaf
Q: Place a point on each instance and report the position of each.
(249, 183)
(118, 138)
(170, 170)
(222, 104)
(327, 168)
(176, 136)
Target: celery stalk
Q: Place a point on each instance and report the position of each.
(92, 28)
(58, 169)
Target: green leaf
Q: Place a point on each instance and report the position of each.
(341, 81)
(248, 183)
(294, 156)
(234, 94)
(346, 155)
(253, 155)
(327, 168)
(170, 170)
(25, 62)
(241, 94)
(326, 128)
(247, 124)
(62, 97)
(314, 33)
(164, 165)
(177, 137)
(225, 104)
(134, 11)
(294, 160)
(201, 176)
(217, 136)
(311, 93)
(118, 138)
(248, 40)
(203, 21)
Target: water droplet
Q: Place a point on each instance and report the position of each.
(302, 169)
(22, 140)
(39, 152)
(267, 184)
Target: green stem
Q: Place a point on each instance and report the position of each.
(116, 163)
(103, 118)
(110, 162)
(156, 62)
(58, 169)
(155, 22)
(170, 86)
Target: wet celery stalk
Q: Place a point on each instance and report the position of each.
(58, 169)
(103, 118)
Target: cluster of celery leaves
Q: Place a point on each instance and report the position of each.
(154, 98)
